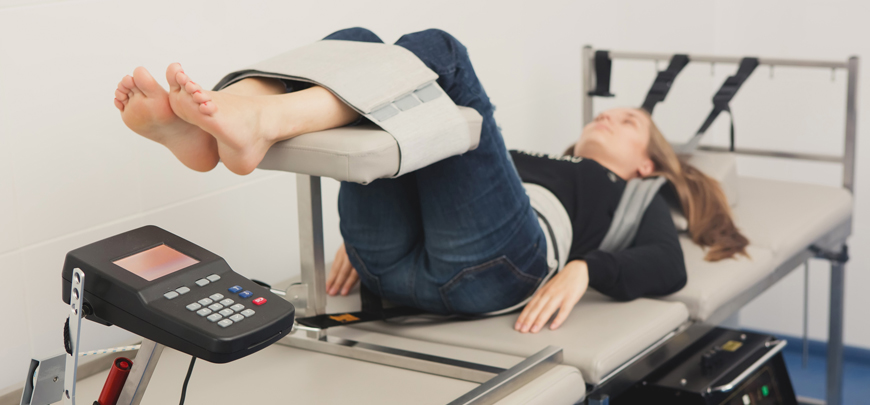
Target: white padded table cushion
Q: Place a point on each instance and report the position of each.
(712, 285)
(358, 153)
(599, 335)
(787, 217)
(780, 219)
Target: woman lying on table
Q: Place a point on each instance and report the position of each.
(460, 235)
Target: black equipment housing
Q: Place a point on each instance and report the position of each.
(115, 296)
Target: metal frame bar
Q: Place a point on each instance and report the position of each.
(835, 327)
(515, 377)
(389, 356)
(312, 262)
(76, 298)
(140, 375)
(828, 64)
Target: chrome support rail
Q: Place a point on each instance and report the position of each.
(730, 59)
(309, 204)
(508, 381)
(140, 375)
(425, 363)
(776, 154)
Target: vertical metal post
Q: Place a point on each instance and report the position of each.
(140, 375)
(806, 342)
(587, 65)
(835, 335)
(311, 243)
(76, 298)
(851, 125)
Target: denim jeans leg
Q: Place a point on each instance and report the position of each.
(474, 208)
(380, 222)
(354, 34)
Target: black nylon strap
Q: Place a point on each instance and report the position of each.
(723, 97)
(602, 74)
(664, 79)
(372, 310)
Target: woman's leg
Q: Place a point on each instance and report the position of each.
(482, 248)
(380, 219)
(243, 134)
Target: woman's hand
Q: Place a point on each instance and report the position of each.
(560, 293)
(342, 276)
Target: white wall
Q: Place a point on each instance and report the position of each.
(72, 173)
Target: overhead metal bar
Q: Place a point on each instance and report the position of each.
(774, 153)
(827, 64)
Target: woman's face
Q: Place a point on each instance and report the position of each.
(618, 139)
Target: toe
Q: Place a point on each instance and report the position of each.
(145, 82)
(171, 76)
(201, 96)
(208, 108)
(120, 95)
(119, 105)
(181, 78)
(127, 83)
(192, 87)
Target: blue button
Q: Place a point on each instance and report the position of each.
(234, 289)
(245, 294)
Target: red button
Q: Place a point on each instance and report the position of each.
(259, 301)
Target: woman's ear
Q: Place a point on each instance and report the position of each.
(646, 168)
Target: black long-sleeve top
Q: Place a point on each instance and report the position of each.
(652, 265)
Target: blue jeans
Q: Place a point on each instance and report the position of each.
(458, 236)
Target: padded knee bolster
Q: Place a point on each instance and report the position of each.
(388, 85)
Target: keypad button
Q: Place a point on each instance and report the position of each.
(237, 307)
(227, 302)
(237, 318)
(203, 312)
(245, 294)
(202, 282)
(182, 290)
(214, 317)
(248, 313)
(226, 312)
(234, 289)
(193, 307)
(216, 297)
(205, 301)
(224, 323)
(215, 307)
(213, 278)
(170, 295)
(259, 301)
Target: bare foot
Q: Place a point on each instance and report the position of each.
(145, 109)
(244, 133)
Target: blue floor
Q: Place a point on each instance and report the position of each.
(810, 382)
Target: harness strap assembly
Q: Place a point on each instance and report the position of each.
(603, 66)
(636, 198)
(662, 84)
(721, 100)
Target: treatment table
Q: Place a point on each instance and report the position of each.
(601, 350)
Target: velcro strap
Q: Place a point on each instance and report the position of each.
(721, 101)
(329, 320)
(603, 66)
(663, 82)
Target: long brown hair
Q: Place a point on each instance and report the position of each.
(701, 198)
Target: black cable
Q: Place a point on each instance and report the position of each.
(187, 379)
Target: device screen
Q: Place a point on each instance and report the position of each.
(156, 262)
